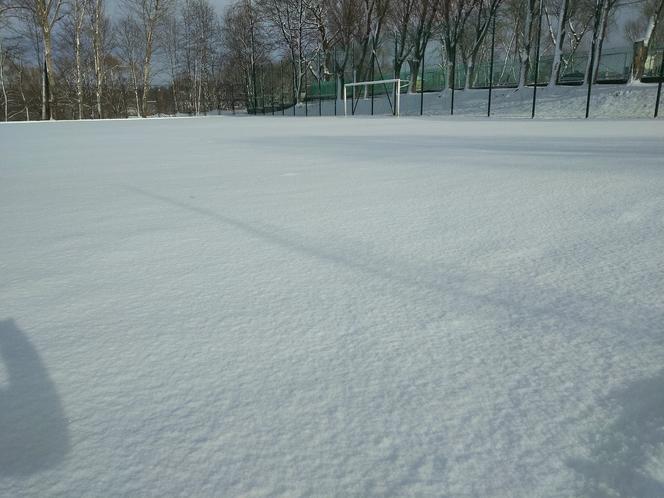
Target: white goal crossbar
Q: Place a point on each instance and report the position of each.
(396, 81)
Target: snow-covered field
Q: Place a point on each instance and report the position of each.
(329, 307)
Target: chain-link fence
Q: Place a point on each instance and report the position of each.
(654, 62)
(273, 91)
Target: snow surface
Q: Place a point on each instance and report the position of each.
(332, 307)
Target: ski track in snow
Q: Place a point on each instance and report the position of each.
(332, 307)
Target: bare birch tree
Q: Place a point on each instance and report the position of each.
(201, 34)
(3, 87)
(245, 43)
(148, 14)
(130, 44)
(290, 20)
(78, 13)
(100, 32)
(45, 14)
(3, 57)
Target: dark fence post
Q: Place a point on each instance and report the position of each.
(352, 107)
(591, 76)
(537, 60)
(320, 109)
(336, 79)
(493, 48)
(47, 93)
(396, 76)
(373, 55)
(453, 77)
(424, 51)
(659, 85)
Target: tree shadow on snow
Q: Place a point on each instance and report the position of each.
(638, 323)
(33, 429)
(620, 455)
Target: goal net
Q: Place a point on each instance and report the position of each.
(356, 91)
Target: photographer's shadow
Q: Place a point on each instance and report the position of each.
(33, 429)
(621, 454)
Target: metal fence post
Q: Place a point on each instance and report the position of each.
(396, 76)
(591, 76)
(493, 48)
(352, 107)
(336, 80)
(537, 61)
(373, 55)
(320, 109)
(659, 85)
(453, 77)
(424, 51)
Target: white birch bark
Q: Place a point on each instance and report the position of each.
(559, 40)
(5, 102)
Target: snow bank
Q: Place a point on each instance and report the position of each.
(607, 101)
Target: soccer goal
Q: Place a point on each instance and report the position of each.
(365, 85)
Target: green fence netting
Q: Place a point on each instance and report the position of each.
(614, 66)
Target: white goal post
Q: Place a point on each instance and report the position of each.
(396, 81)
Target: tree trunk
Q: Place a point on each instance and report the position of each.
(147, 61)
(146, 77)
(560, 39)
(397, 69)
(134, 78)
(49, 108)
(44, 104)
(604, 23)
(598, 34)
(470, 68)
(299, 76)
(175, 96)
(652, 23)
(414, 65)
(524, 53)
(97, 47)
(20, 88)
(79, 75)
(5, 103)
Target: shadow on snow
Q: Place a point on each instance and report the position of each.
(620, 454)
(34, 432)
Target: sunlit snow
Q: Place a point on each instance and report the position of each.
(332, 307)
